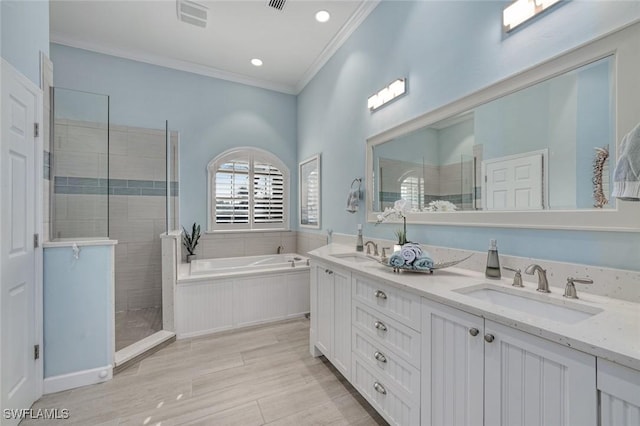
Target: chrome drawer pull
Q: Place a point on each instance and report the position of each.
(380, 326)
(474, 331)
(379, 388)
(380, 357)
(489, 338)
(380, 294)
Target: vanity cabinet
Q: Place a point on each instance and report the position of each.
(474, 368)
(331, 315)
(619, 392)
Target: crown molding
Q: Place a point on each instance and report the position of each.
(166, 62)
(361, 13)
(358, 17)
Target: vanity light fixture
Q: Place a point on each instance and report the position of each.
(256, 62)
(323, 16)
(521, 11)
(393, 90)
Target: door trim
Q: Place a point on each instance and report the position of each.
(8, 69)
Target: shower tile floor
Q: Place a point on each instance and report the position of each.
(135, 325)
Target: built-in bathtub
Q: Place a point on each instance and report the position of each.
(246, 264)
(213, 295)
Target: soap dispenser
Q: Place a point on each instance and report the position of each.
(493, 261)
(359, 244)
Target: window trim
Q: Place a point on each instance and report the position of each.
(252, 154)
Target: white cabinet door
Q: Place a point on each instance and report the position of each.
(324, 312)
(619, 389)
(531, 381)
(452, 366)
(342, 322)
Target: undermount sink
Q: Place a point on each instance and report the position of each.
(354, 257)
(539, 305)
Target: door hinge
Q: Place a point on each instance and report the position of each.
(36, 240)
(36, 129)
(36, 351)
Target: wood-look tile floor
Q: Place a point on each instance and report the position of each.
(259, 376)
(135, 325)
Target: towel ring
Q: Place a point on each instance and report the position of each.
(359, 180)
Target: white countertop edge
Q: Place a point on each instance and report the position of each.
(601, 335)
(80, 243)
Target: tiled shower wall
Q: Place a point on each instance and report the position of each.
(134, 213)
(137, 212)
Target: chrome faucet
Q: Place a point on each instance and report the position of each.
(280, 249)
(543, 284)
(375, 247)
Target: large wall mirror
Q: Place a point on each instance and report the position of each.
(535, 150)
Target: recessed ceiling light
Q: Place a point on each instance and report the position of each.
(256, 62)
(322, 16)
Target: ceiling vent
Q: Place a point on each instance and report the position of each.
(192, 13)
(276, 4)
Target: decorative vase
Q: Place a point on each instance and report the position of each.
(191, 257)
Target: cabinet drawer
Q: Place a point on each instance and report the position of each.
(387, 364)
(391, 334)
(398, 304)
(396, 407)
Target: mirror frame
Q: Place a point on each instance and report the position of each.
(313, 159)
(623, 45)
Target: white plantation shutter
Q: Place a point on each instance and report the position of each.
(411, 190)
(313, 201)
(248, 190)
(268, 194)
(232, 192)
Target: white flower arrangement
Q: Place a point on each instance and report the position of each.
(441, 206)
(398, 211)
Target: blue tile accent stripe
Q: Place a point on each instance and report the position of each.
(100, 186)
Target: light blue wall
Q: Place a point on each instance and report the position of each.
(447, 50)
(24, 34)
(78, 309)
(211, 115)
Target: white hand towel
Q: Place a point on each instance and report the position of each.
(626, 177)
(353, 200)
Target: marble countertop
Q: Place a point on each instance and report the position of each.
(613, 334)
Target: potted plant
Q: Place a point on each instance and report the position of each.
(190, 241)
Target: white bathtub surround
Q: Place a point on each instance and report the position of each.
(608, 282)
(223, 294)
(215, 245)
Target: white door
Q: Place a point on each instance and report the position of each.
(531, 381)
(17, 254)
(514, 183)
(452, 366)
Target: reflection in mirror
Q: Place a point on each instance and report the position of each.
(309, 175)
(532, 149)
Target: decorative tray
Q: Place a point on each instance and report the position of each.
(436, 265)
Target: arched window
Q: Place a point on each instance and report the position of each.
(248, 190)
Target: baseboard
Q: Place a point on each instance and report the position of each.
(77, 379)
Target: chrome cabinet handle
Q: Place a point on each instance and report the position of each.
(380, 325)
(329, 271)
(474, 331)
(380, 357)
(379, 388)
(489, 338)
(380, 294)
